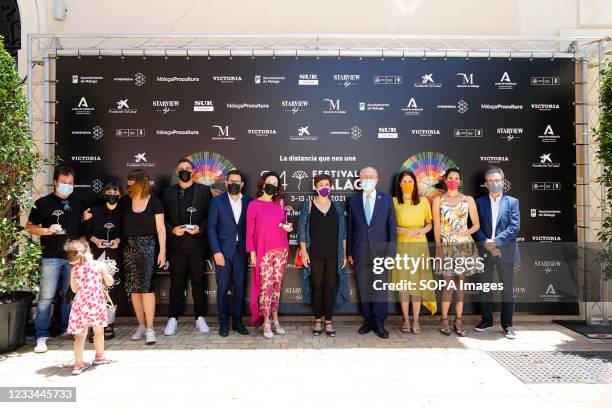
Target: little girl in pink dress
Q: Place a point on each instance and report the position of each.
(89, 303)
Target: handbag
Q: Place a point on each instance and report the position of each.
(298, 259)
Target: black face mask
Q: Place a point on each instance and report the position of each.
(233, 188)
(184, 175)
(112, 199)
(270, 189)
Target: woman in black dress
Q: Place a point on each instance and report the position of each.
(143, 229)
(103, 224)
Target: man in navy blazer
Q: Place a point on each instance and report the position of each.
(371, 234)
(227, 237)
(500, 221)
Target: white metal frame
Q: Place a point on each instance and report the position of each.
(589, 51)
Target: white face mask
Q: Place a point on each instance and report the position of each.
(368, 185)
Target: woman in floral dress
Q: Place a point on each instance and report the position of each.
(455, 247)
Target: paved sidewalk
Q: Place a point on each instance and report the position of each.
(299, 370)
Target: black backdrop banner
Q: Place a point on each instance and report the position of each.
(307, 115)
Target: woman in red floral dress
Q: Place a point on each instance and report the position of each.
(89, 303)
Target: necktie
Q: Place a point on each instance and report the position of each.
(368, 209)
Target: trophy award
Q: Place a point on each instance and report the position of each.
(107, 242)
(59, 213)
(190, 226)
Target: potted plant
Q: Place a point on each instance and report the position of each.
(19, 162)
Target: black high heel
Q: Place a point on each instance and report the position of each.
(317, 332)
(330, 333)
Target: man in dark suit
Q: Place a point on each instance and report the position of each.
(227, 236)
(371, 234)
(500, 221)
(186, 206)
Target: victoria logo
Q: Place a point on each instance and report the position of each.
(308, 79)
(427, 81)
(261, 132)
(494, 159)
(227, 79)
(86, 159)
(411, 108)
(425, 132)
(545, 107)
(223, 133)
(466, 81)
(122, 107)
(333, 106)
(82, 107)
(505, 82)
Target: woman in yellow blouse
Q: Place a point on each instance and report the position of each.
(414, 219)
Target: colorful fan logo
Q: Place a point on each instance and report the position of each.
(429, 169)
(209, 168)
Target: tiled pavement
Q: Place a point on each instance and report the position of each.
(299, 370)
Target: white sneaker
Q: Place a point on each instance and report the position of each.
(41, 345)
(267, 331)
(139, 333)
(277, 328)
(151, 337)
(170, 329)
(201, 325)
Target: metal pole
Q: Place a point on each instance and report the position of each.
(584, 68)
(47, 120)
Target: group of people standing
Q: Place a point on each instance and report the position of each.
(142, 232)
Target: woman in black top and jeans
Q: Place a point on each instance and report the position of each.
(103, 225)
(143, 221)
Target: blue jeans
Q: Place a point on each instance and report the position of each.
(54, 272)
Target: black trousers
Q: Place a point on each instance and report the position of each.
(506, 275)
(186, 263)
(374, 304)
(324, 277)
